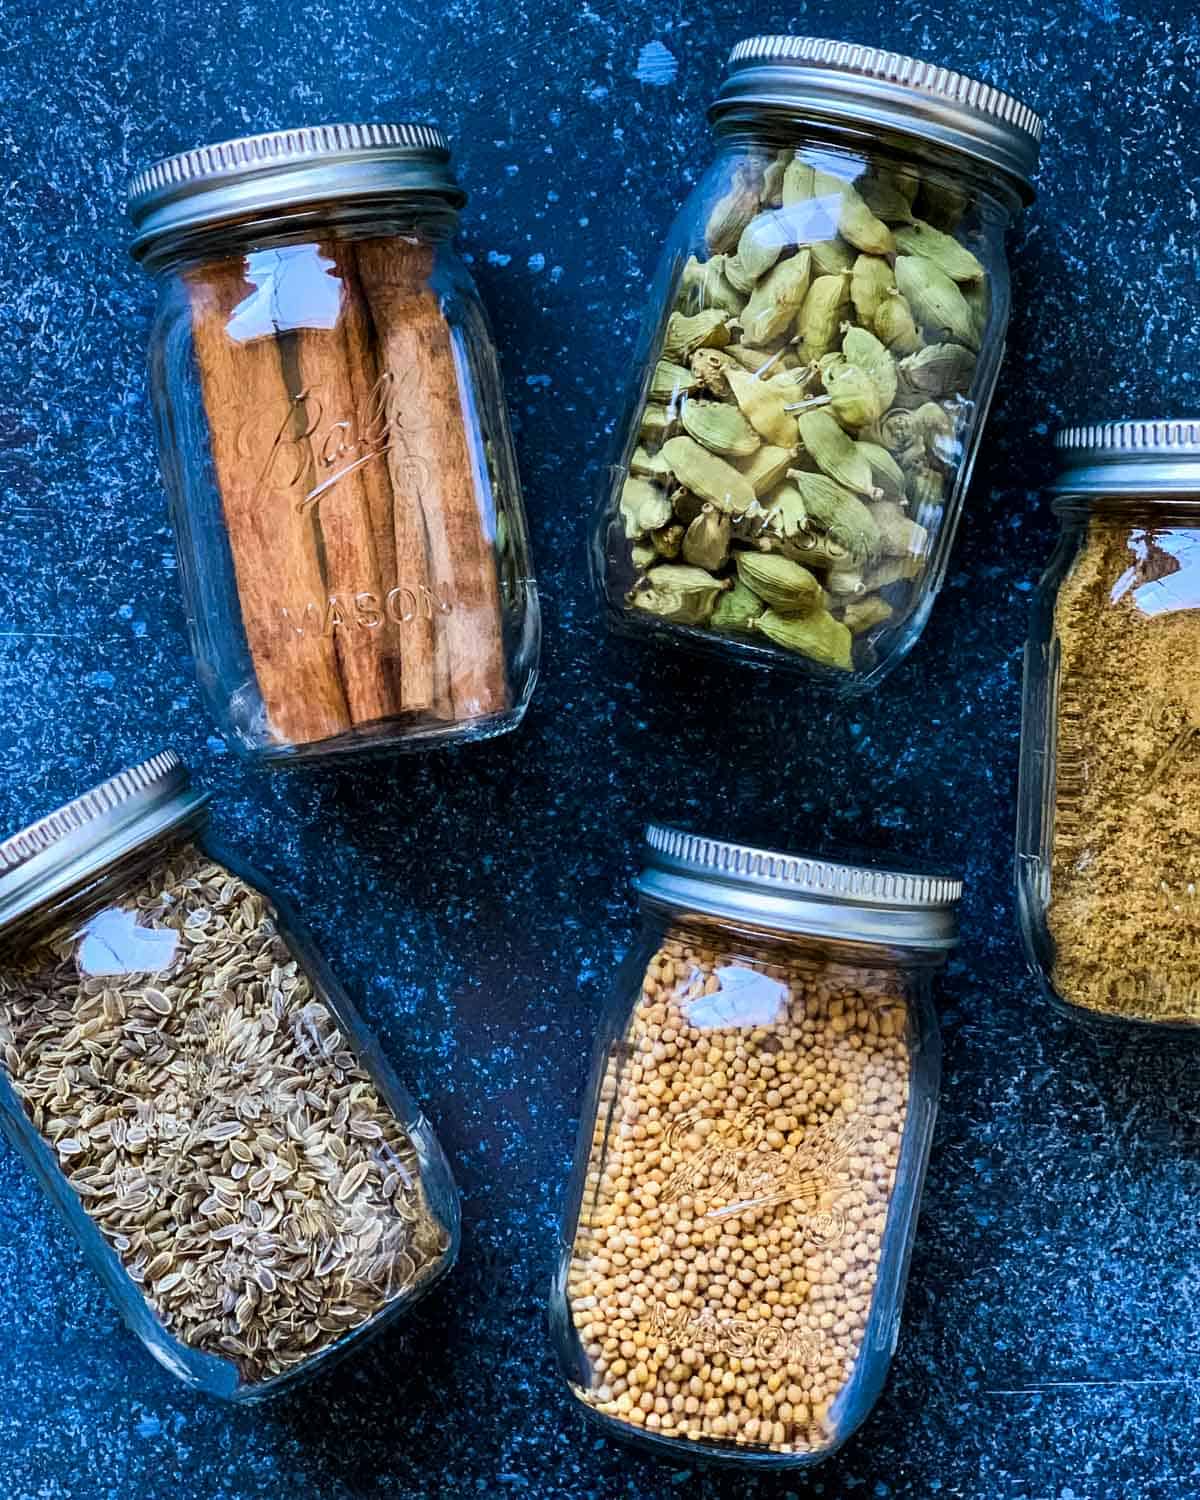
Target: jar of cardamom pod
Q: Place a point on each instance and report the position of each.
(751, 1152)
(1108, 840)
(199, 1099)
(817, 359)
(335, 445)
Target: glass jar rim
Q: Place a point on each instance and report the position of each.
(1153, 459)
(875, 91)
(94, 831)
(264, 178)
(895, 905)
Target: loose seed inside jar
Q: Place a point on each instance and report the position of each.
(202, 1101)
(743, 1160)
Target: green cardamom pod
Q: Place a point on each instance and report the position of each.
(937, 429)
(767, 468)
(940, 204)
(709, 366)
(853, 396)
(656, 424)
(670, 380)
(764, 408)
(920, 238)
(845, 583)
(817, 635)
(926, 489)
(762, 242)
(837, 511)
(939, 369)
(865, 614)
(893, 570)
(798, 182)
(815, 549)
(895, 326)
(702, 330)
(772, 182)
(978, 297)
(860, 347)
(649, 466)
(776, 300)
(886, 198)
(706, 541)
(936, 301)
(781, 583)
(871, 280)
(761, 361)
(685, 505)
(832, 257)
(732, 212)
(720, 427)
(898, 431)
(642, 557)
(644, 508)
(667, 541)
(889, 476)
(704, 286)
(679, 593)
(899, 536)
(856, 222)
(821, 315)
(708, 476)
(737, 609)
(834, 452)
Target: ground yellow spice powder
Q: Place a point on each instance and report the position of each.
(1124, 912)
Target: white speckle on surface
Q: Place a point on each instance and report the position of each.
(656, 65)
(537, 261)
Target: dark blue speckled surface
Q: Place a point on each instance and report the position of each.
(475, 902)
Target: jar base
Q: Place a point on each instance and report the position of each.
(381, 738)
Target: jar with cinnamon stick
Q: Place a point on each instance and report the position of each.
(335, 444)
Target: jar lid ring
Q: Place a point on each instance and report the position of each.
(882, 93)
(86, 835)
(799, 893)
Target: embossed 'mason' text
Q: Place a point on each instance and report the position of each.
(365, 610)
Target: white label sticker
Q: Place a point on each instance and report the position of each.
(746, 998)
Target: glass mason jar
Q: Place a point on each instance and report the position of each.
(335, 444)
(816, 362)
(751, 1152)
(199, 1099)
(1108, 837)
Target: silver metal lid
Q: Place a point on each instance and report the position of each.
(83, 837)
(799, 893)
(1129, 458)
(878, 91)
(266, 176)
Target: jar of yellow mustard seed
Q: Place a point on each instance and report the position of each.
(753, 1142)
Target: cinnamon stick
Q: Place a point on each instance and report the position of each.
(329, 373)
(437, 481)
(274, 548)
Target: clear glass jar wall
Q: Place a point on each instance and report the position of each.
(817, 360)
(337, 455)
(211, 1117)
(1108, 844)
(745, 1194)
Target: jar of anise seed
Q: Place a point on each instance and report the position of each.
(817, 358)
(335, 444)
(751, 1153)
(199, 1099)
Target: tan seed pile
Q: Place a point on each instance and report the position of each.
(728, 1245)
(218, 1126)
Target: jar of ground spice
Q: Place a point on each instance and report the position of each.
(335, 444)
(199, 1099)
(1108, 843)
(751, 1152)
